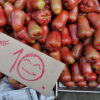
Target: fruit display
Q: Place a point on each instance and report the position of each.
(66, 30)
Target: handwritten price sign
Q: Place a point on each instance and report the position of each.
(29, 60)
(28, 66)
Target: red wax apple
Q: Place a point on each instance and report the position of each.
(73, 33)
(94, 18)
(42, 16)
(45, 29)
(70, 4)
(38, 4)
(55, 54)
(65, 36)
(81, 84)
(34, 30)
(60, 21)
(97, 39)
(86, 70)
(65, 76)
(37, 46)
(77, 50)
(23, 34)
(20, 4)
(67, 56)
(69, 84)
(76, 75)
(3, 19)
(91, 53)
(84, 29)
(73, 14)
(92, 84)
(8, 8)
(53, 41)
(17, 19)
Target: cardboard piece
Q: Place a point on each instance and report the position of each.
(28, 66)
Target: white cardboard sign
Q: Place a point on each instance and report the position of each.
(28, 66)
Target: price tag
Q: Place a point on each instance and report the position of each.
(28, 66)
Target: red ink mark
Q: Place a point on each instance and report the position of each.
(36, 64)
(43, 87)
(28, 72)
(20, 52)
(4, 42)
(28, 60)
(41, 68)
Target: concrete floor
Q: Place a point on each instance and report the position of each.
(78, 96)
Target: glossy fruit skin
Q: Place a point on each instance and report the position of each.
(92, 77)
(70, 4)
(67, 56)
(47, 1)
(94, 19)
(47, 4)
(23, 34)
(17, 19)
(60, 20)
(86, 70)
(77, 50)
(29, 5)
(45, 33)
(81, 84)
(37, 46)
(34, 30)
(42, 17)
(20, 4)
(90, 6)
(76, 75)
(2, 2)
(96, 66)
(97, 39)
(73, 32)
(8, 8)
(88, 41)
(69, 84)
(38, 4)
(53, 41)
(91, 54)
(23, 41)
(65, 76)
(56, 6)
(97, 72)
(65, 36)
(28, 18)
(11, 1)
(73, 15)
(56, 55)
(92, 84)
(3, 19)
(84, 29)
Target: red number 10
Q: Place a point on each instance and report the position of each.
(19, 52)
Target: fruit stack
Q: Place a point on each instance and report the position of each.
(67, 30)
